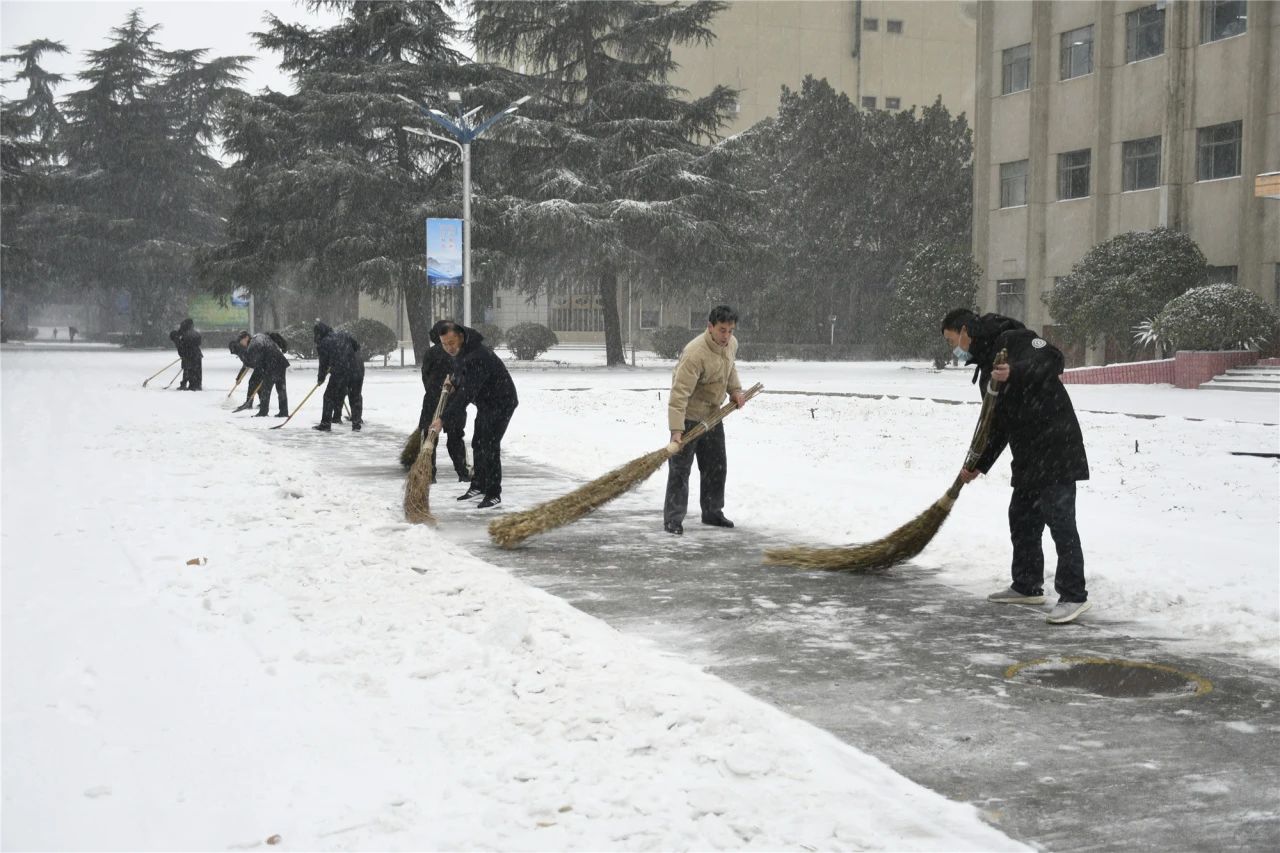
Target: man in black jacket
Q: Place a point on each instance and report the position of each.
(436, 367)
(263, 353)
(479, 378)
(187, 340)
(1035, 419)
(339, 360)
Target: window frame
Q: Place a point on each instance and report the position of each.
(1131, 165)
(869, 102)
(1010, 179)
(657, 313)
(1007, 80)
(1209, 19)
(1134, 28)
(1011, 289)
(871, 25)
(892, 103)
(1223, 274)
(697, 319)
(1206, 151)
(1067, 53)
(1067, 172)
(893, 26)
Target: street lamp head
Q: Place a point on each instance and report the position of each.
(455, 97)
(523, 100)
(408, 100)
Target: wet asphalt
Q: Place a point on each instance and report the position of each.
(1184, 755)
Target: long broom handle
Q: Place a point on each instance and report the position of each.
(432, 432)
(244, 368)
(161, 370)
(705, 426)
(981, 432)
(175, 376)
(299, 407)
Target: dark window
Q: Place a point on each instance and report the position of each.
(1141, 164)
(1143, 33)
(868, 102)
(1016, 75)
(1073, 174)
(1220, 275)
(649, 318)
(1218, 151)
(893, 26)
(892, 103)
(697, 318)
(1013, 183)
(1011, 298)
(1076, 53)
(871, 24)
(1220, 19)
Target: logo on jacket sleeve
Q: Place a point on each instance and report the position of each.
(1039, 343)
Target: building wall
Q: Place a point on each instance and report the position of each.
(1189, 86)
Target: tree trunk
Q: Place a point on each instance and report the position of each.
(417, 302)
(612, 325)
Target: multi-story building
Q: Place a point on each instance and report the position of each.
(1098, 118)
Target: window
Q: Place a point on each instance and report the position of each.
(1076, 53)
(576, 308)
(1013, 184)
(893, 26)
(650, 318)
(868, 102)
(1016, 75)
(892, 103)
(1011, 298)
(1218, 151)
(697, 318)
(1141, 164)
(1143, 33)
(1220, 275)
(1222, 19)
(871, 24)
(1073, 174)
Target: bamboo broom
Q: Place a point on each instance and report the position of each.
(909, 539)
(510, 530)
(417, 486)
(411, 447)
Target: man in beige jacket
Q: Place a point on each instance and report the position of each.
(704, 373)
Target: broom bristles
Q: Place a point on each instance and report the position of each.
(417, 486)
(510, 530)
(411, 448)
(902, 544)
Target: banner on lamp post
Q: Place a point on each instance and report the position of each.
(444, 252)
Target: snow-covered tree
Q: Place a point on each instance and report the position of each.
(937, 279)
(1215, 317)
(609, 171)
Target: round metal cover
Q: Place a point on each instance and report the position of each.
(1114, 679)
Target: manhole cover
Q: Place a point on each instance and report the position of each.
(1116, 679)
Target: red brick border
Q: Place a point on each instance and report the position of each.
(1187, 369)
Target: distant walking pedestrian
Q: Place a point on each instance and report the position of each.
(187, 340)
(1035, 419)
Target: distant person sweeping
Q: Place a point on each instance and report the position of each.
(187, 340)
(1037, 422)
(703, 375)
(264, 355)
(340, 362)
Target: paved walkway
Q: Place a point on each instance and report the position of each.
(914, 672)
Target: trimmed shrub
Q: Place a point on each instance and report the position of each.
(669, 340)
(376, 338)
(301, 337)
(530, 340)
(1215, 317)
(937, 279)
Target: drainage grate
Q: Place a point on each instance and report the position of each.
(1114, 679)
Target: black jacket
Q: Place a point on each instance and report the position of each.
(337, 351)
(1034, 416)
(480, 378)
(187, 340)
(263, 353)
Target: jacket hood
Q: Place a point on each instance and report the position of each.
(186, 325)
(986, 329)
(470, 337)
(321, 331)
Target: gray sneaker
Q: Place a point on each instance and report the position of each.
(1067, 611)
(1010, 595)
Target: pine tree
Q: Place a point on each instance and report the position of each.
(610, 174)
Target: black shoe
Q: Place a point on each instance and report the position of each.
(493, 500)
(717, 520)
(322, 427)
(282, 414)
(464, 478)
(471, 494)
(260, 414)
(355, 426)
(243, 407)
(337, 420)
(676, 529)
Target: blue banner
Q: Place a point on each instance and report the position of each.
(444, 252)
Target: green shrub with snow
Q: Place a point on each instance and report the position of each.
(530, 340)
(669, 340)
(935, 280)
(1215, 317)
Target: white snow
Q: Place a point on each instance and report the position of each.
(346, 681)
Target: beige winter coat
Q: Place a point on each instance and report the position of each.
(703, 375)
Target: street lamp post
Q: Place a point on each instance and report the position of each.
(463, 131)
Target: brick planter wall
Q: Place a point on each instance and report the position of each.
(1187, 369)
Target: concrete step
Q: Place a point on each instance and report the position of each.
(1223, 383)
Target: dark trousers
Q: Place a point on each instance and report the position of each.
(282, 393)
(486, 448)
(713, 469)
(341, 387)
(192, 374)
(455, 432)
(1030, 511)
(255, 379)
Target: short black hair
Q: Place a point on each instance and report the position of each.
(722, 314)
(957, 319)
(445, 327)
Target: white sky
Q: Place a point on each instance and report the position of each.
(223, 26)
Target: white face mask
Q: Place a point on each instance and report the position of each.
(962, 354)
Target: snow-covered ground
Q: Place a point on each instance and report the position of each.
(345, 681)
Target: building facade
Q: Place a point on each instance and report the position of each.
(1098, 118)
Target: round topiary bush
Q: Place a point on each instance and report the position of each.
(530, 340)
(301, 337)
(492, 334)
(376, 339)
(1215, 317)
(669, 340)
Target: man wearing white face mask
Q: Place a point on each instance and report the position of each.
(1035, 419)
